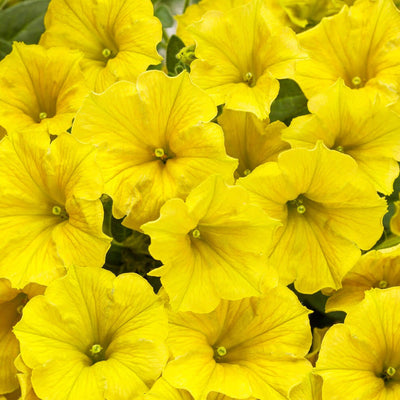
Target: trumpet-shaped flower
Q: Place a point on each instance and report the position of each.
(94, 336)
(213, 246)
(40, 89)
(361, 45)
(376, 269)
(251, 140)
(154, 142)
(327, 209)
(352, 123)
(251, 347)
(118, 38)
(241, 54)
(50, 212)
(360, 359)
(12, 302)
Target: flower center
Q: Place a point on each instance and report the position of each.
(356, 81)
(196, 233)
(97, 353)
(162, 154)
(249, 78)
(389, 374)
(107, 53)
(219, 353)
(383, 284)
(43, 115)
(246, 172)
(60, 212)
(339, 148)
(298, 203)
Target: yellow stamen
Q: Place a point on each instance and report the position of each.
(43, 115)
(340, 148)
(196, 233)
(391, 372)
(106, 53)
(356, 81)
(221, 351)
(56, 210)
(246, 172)
(382, 284)
(301, 209)
(159, 152)
(96, 349)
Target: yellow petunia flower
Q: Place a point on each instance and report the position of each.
(251, 140)
(361, 45)
(310, 12)
(94, 336)
(251, 347)
(375, 269)
(352, 123)
(241, 57)
(12, 301)
(360, 359)
(118, 38)
(154, 142)
(213, 246)
(40, 89)
(327, 209)
(50, 212)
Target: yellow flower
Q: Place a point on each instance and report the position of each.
(241, 54)
(40, 89)
(318, 335)
(310, 12)
(155, 142)
(327, 209)
(251, 140)
(361, 45)
(24, 376)
(213, 246)
(12, 302)
(251, 347)
(360, 359)
(94, 336)
(375, 269)
(118, 38)
(352, 123)
(50, 212)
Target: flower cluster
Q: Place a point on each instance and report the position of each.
(169, 227)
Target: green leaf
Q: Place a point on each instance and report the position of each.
(22, 22)
(5, 48)
(290, 102)
(163, 13)
(175, 44)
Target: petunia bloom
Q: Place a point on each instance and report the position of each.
(348, 121)
(118, 38)
(40, 89)
(213, 246)
(376, 269)
(12, 302)
(361, 45)
(250, 140)
(240, 57)
(327, 210)
(360, 359)
(94, 336)
(251, 347)
(50, 212)
(155, 142)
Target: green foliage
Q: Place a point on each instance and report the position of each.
(22, 22)
(290, 102)
(174, 66)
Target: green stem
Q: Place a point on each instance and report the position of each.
(186, 5)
